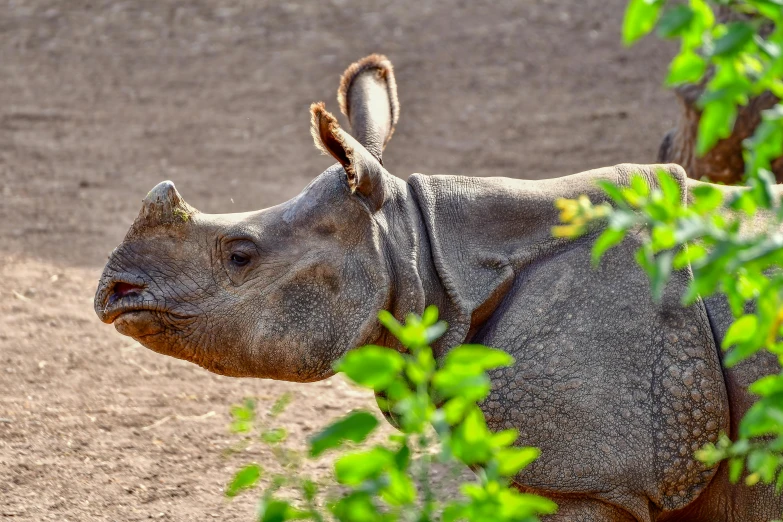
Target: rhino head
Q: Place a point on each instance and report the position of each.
(281, 292)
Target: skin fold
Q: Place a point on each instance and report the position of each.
(618, 391)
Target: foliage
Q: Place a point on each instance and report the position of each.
(708, 233)
(431, 402)
(745, 63)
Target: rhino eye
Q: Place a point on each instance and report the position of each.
(239, 259)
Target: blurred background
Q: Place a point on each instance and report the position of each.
(100, 100)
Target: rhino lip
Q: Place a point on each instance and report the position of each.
(111, 313)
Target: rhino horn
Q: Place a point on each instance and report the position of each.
(162, 206)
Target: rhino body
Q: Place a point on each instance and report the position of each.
(618, 391)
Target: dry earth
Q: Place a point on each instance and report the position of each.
(101, 99)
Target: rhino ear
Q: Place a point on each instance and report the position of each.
(363, 171)
(368, 98)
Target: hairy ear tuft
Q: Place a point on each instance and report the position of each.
(330, 140)
(384, 72)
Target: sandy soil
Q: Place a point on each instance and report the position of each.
(100, 100)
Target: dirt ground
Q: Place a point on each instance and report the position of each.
(101, 99)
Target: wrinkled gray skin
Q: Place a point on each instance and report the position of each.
(616, 390)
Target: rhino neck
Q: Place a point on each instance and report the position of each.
(414, 283)
(482, 232)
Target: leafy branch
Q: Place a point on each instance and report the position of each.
(435, 407)
(733, 243)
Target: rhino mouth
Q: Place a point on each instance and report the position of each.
(123, 298)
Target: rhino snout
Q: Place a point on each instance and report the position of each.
(117, 295)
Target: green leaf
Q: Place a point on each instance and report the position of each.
(767, 385)
(639, 185)
(736, 37)
(455, 409)
(400, 491)
(273, 510)
(355, 427)
(245, 412)
(243, 416)
(430, 316)
(745, 202)
(764, 418)
(703, 20)
(640, 18)
(706, 198)
(688, 254)
(372, 366)
(389, 321)
(504, 438)
(669, 187)
(512, 460)
(403, 456)
(735, 469)
(608, 238)
(613, 191)
(674, 21)
(471, 439)
(478, 356)
(243, 479)
(663, 237)
(762, 185)
(740, 331)
(623, 219)
(274, 435)
(240, 426)
(281, 404)
(355, 468)
(716, 122)
(310, 489)
(357, 507)
(687, 67)
(471, 384)
(772, 9)
(516, 506)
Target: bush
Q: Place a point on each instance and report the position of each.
(705, 234)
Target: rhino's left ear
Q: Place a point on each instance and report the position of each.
(364, 172)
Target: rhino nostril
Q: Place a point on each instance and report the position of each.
(122, 289)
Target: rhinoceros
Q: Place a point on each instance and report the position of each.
(616, 389)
